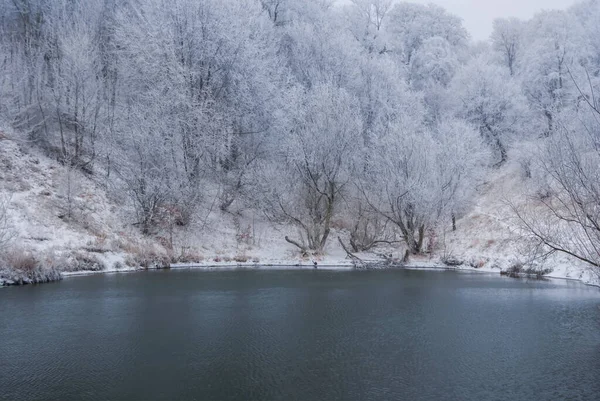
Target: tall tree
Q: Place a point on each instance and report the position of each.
(487, 98)
(507, 40)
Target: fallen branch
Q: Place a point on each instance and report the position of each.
(291, 241)
(352, 256)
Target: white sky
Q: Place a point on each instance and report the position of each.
(479, 14)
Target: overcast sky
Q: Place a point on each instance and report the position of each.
(479, 14)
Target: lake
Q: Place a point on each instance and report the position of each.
(300, 335)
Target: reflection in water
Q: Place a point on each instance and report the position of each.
(300, 335)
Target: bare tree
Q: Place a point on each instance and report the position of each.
(314, 170)
(567, 218)
(7, 233)
(369, 229)
(399, 185)
(68, 188)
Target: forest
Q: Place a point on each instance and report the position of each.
(385, 115)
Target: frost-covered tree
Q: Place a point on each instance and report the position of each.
(373, 112)
(74, 80)
(365, 20)
(422, 176)
(462, 163)
(554, 47)
(434, 63)
(409, 25)
(211, 78)
(6, 225)
(318, 50)
(313, 166)
(383, 97)
(399, 185)
(433, 66)
(507, 40)
(566, 217)
(487, 98)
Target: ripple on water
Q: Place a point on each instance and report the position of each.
(300, 335)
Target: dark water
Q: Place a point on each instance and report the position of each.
(300, 335)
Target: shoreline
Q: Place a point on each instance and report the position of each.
(340, 267)
(329, 264)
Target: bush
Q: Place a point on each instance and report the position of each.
(98, 245)
(189, 256)
(21, 259)
(152, 260)
(519, 270)
(537, 271)
(477, 263)
(451, 261)
(130, 261)
(145, 254)
(516, 268)
(241, 259)
(84, 261)
(21, 267)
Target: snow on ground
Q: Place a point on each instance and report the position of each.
(99, 236)
(489, 238)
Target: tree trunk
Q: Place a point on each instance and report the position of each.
(550, 119)
(421, 238)
(291, 241)
(406, 257)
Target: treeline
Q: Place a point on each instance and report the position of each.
(385, 116)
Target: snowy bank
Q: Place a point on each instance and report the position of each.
(99, 238)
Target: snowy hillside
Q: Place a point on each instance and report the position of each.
(99, 237)
(236, 132)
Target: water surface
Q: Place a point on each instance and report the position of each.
(300, 335)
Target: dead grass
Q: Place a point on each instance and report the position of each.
(86, 261)
(20, 266)
(130, 261)
(477, 263)
(241, 258)
(189, 255)
(151, 258)
(21, 259)
(98, 245)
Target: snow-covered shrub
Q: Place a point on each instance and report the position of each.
(189, 255)
(152, 260)
(449, 260)
(21, 259)
(519, 269)
(241, 258)
(19, 266)
(130, 261)
(85, 261)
